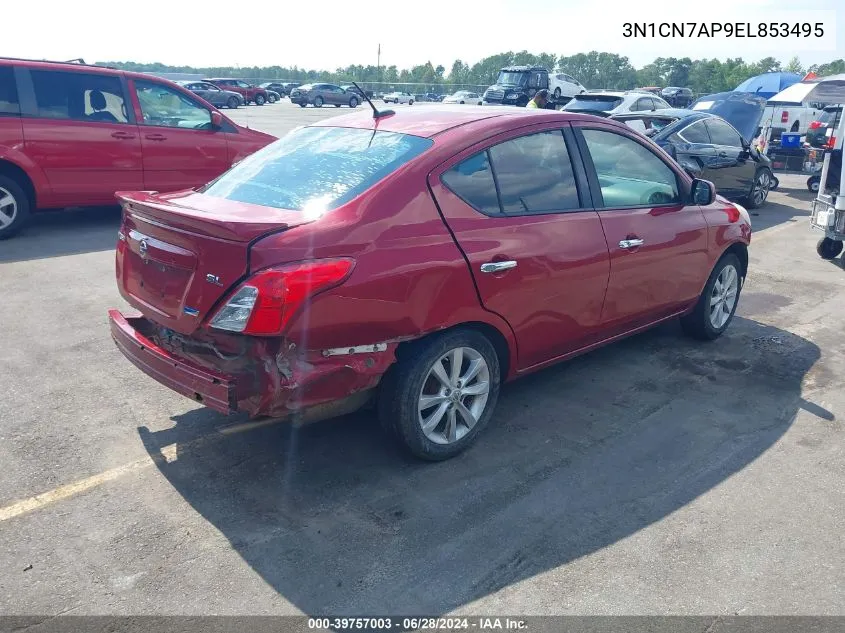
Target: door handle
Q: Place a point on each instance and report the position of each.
(123, 135)
(497, 267)
(630, 243)
(155, 137)
(723, 154)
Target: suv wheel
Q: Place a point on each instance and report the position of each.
(14, 207)
(260, 100)
(441, 394)
(232, 103)
(318, 102)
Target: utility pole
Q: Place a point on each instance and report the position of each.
(378, 62)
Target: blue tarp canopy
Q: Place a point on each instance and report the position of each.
(768, 84)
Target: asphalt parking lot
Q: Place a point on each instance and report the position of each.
(655, 476)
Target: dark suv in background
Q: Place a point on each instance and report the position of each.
(677, 97)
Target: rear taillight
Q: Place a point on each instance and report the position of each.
(815, 125)
(264, 304)
(784, 116)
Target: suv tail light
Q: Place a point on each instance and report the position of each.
(784, 116)
(815, 125)
(264, 304)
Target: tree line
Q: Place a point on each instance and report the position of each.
(596, 70)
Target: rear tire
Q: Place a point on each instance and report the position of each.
(14, 207)
(353, 102)
(718, 301)
(302, 104)
(411, 102)
(318, 102)
(413, 383)
(233, 103)
(260, 100)
(557, 93)
(828, 248)
(813, 183)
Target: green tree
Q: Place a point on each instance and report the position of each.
(794, 66)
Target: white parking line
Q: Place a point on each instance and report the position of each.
(167, 455)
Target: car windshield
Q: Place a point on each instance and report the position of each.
(602, 103)
(316, 169)
(511, 78)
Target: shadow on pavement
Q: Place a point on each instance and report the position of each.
(63, 232)
(337, 520)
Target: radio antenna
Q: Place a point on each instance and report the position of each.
(377, 114)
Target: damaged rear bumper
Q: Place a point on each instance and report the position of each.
(214, 390)
(271, 378)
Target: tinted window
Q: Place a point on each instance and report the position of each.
(316, 169)
(660, 103)
(163, 106)
(643, 103)
(534, 174)
(723, 134)
(630, 174)
(8, 92)
(695, 133)
(472, 181)
(79, 96)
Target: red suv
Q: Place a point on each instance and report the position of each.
(421, 258)
(250, 92)
(72, 135)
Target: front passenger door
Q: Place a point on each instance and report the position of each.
(180, 148)
(735, 164)
(657, 239)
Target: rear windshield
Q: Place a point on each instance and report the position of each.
(317, 169)
(602, 104)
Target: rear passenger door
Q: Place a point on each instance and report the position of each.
(80, 129)
(520, 210)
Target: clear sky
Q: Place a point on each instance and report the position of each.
(326, 34)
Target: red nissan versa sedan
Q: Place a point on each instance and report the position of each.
(422, 258)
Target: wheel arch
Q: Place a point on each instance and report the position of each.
(741, 251)
(493, 334)
(19, 174)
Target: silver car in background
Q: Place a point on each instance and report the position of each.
(214, 95)
(323, 94)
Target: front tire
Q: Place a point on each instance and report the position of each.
(828, 248)
(14, 207)
(718, 301)
(813, 183)
(318, 102)
(441, 393)
(353, 102)
(759, 189)
(557, 93)
(411, 102)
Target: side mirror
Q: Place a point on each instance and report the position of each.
(216, 120)
(703, 192)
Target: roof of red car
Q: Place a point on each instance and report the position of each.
(427, 121)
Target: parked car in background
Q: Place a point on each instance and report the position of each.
(714, 143)
(433, 97)
(275, 86)
(677, 97)
(273, 96)
(214, 95)
(820, 131)
(350, 89)
(464, 97)
(399, 97)
(250, 92)
(563, 85)
(792, 118)
(323, 94)
(85, 132)
(652, 89)
(281, 286)
(605, 103)
(288, 86)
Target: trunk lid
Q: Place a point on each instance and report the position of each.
(179, 254)
(743, 110)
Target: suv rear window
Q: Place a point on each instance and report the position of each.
(316, 169)
(8, 92)
(594, 103)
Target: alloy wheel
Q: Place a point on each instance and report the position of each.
(454, 395)
(761, 188)
(723, 296)
(8, 208)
